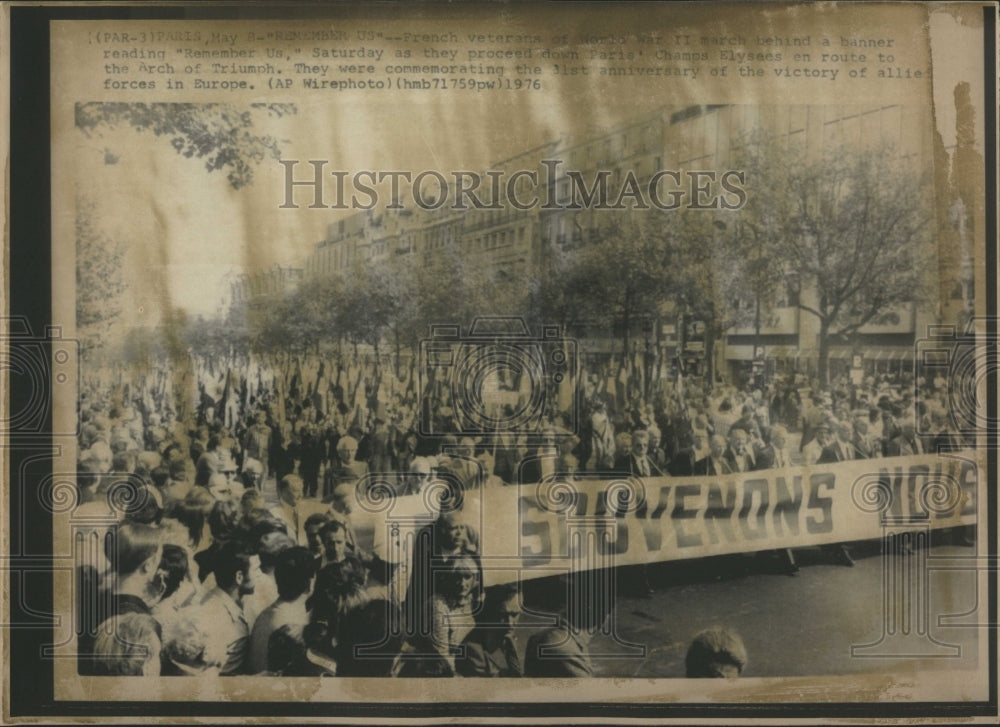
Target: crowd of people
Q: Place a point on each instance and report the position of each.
(233, 550)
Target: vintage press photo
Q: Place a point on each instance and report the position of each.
(516, 353)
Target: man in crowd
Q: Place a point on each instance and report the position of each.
(715, 653)
(345, 470)
(637, 462)
(489, 648)
(840, 448)
(290, 510)
(294, 576)
(222, 608)
(774, 455)
(738, 453)
(257, 442)
(564, 650)
(715, 463)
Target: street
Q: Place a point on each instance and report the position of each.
(791, 625)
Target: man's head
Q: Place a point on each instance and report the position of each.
(253, 472)
(640, 442)
(717, 445)
(220, 486)
(738, 440)
(224, 520)
(334, 539)
(134, 551)
(291, 490)
(252, 500)
(313, 527)
(294, 572)
(845, 431)
(342, 497)
(420, 468)
(227, 465)
(232, 570)
(466, 447)
(502, 608)
(179, 469)
(347, 447)
(779, 436)
(715, 653)
(270, 546)
(452, 533)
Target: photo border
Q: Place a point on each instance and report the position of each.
(30, 686)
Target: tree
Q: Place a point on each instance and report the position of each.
(371, 302)
(221, 134)
(100, 281)
(850, 231)
(708, 278)
(623, 272)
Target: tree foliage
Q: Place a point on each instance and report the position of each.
(848, 229)
(221, 134)
(100, 279)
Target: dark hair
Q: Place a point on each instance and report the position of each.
(714, 646)
(249, 496)
(160, 476)
(494, 599)
(231, 558)
(223, 519)
(191, 517)
(122, 462)
(427, 665)
(259, 522)
(337, 584)
(317, 518)
(145, 507)
(174, 567)
(130, 545)
(293, 572)
(87, 476)
(333, 526)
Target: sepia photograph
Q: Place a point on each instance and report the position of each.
(637, 357)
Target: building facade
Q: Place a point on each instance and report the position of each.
(702, 137)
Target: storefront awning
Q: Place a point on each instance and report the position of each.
(891, 353)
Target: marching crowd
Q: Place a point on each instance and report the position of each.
(233, 548)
